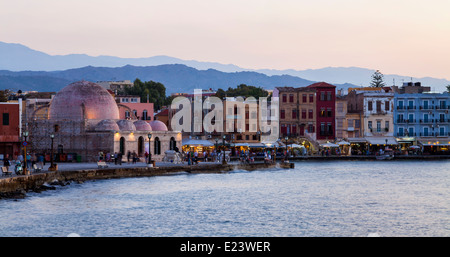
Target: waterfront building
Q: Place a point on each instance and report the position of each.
(325, 111)
(375, 110)
(423, 119)
(10, 128)
(84, 120)
(348, 122)
(297, 111)
(131, 107)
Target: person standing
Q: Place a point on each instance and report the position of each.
(6, 162)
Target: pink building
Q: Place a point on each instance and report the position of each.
(131, 107)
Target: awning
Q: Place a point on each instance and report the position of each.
(329, 145)
(434, 142)
(354, 140)
(381, 140)
(242, 144)
(256, 145)
(296, 146)
(343, 143)
(197, 142)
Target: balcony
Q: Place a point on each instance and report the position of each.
(442, 120)
(427, 121)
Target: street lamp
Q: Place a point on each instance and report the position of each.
(286, 138)
(223, 142)
(52, 167)
(217, 149)
(149, 149)
(25, 135)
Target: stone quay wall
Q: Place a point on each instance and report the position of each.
(18, 186)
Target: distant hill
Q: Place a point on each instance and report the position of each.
(175, 77)
(17, 57)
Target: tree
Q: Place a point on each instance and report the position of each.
(448, 88)
(155, 91)
(377, 79)
(242, 90)
(4, 95)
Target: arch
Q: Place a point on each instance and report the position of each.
(157, 146)
(144, 115)
(122, 145)
(173, 144)
(141, 146)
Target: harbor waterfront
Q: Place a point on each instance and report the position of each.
(315, 198)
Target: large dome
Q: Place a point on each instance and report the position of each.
(142, 126)
(83, 100)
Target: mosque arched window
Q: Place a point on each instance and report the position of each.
(157, 146)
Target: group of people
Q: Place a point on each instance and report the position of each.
(117, 157)
(31, 160)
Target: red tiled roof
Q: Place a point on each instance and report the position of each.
(321, 84)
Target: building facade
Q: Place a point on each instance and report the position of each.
(10, 128)
(423, 115)
(325, 111)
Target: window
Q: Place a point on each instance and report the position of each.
(400, 132)
(340, 107)
(127, 114)
(386, 125)
(357, 123)
(311, 98)
(441, 117)
(329, 96)
(369, 106)
(304, 98)
(311, 128)
(322, 96)
(378, 126)
(291, 98)
(442, 131)
(378, 106)
(157, 146)
(284, 98)
(5, 119)
(322, 112)
(425, 117)
(386, 105)
(411, 132)
(410, 118)
(442, 104)
(282, 114)
(329, 113)
(369, 124)
(400, 118)
(322, 128)
(294, 114)
(425, 131)
(144, 115)
(425, 104)
(330, 129)
(400, 105)
(310, 114)
(303, 114)
(350, 123)
(410, 104)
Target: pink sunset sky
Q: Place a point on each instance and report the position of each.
(397, 37)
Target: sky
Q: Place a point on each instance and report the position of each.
(409, 38)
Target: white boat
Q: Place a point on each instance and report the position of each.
(387, 155)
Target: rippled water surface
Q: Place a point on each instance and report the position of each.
(332, 198)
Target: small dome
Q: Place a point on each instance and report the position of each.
(142, 125)
(158, 125)
(126, 125)
(107, 125)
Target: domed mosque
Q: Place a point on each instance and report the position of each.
(84, 119)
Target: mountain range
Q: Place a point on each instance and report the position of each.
(27, 69)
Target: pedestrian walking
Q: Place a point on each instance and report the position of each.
(6, 162)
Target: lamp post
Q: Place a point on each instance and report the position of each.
(52, 137)
(25, 135)
(217, 147)
(149, 149)
(223, 142)
(286, 138)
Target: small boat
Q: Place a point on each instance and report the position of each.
(387, 155)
